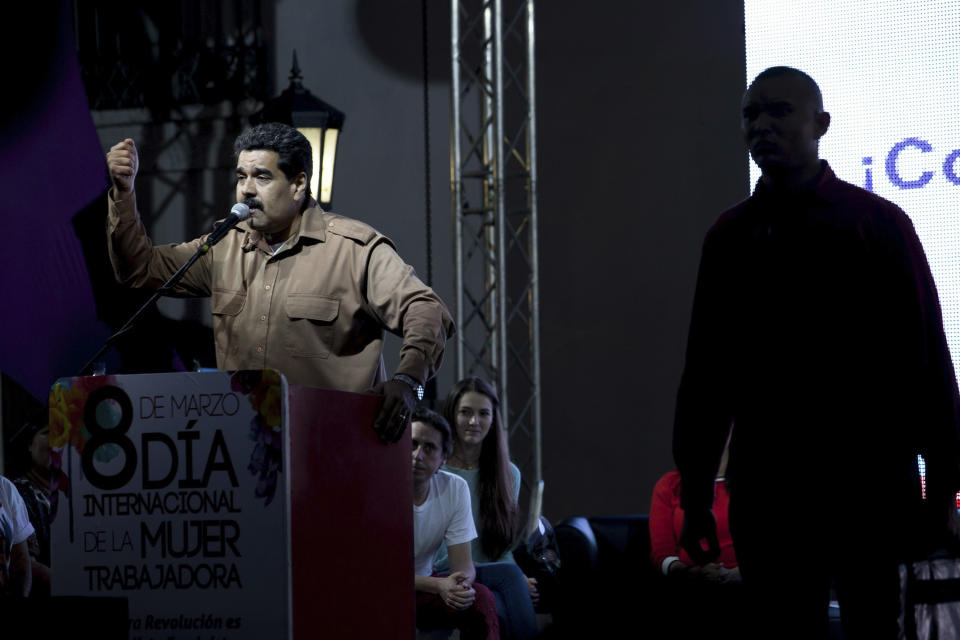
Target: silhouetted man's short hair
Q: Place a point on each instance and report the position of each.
(776, 72)
(290, 145)
(438, 422)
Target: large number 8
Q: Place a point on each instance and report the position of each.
(101, 436)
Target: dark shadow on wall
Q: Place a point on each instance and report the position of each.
(640, 151)
(160, 56)
(32, 80)
(16, 406)
(156, 343)
(393, 33)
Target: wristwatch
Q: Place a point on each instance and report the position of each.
(416, 386)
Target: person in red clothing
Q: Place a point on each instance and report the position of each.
(666, 523)
(693, 597)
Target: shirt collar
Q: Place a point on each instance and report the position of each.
(310, 224)
(824, 187)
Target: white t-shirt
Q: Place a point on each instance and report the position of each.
(445, 516)
(15, 524)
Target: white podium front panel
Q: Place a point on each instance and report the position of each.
(170, 490)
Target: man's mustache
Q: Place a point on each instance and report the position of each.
(253, 203)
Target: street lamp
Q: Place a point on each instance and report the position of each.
(319, 122)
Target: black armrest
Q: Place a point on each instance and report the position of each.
(577, 545)
(605, 570)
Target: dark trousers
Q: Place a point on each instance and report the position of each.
(695, 608)
(479, 622)
(518, 620)
(790, 556)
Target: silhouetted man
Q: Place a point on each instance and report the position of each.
(816, 335)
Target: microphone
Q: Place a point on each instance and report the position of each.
(239, 212)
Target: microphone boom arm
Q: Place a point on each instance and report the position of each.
(163, 289)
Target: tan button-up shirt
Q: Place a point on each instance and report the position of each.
(315, 311)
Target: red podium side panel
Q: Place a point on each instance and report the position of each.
(351, 520)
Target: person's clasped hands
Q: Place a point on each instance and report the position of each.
(710, 572)
(457, 592)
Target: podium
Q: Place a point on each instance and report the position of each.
(231, 505)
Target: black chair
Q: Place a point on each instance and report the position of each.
(606, 577)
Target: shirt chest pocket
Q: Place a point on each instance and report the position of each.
(312, 322)
(225, 302)
(225, 306)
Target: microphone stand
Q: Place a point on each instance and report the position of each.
(128, 325)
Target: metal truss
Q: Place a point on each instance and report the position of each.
(493, 164)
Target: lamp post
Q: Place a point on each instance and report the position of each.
(319, 122)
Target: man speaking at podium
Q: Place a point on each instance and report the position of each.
(292, 287)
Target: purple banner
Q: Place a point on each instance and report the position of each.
(53, 167)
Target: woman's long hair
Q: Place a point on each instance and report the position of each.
(498, 507)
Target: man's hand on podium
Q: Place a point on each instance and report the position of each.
(394, 416)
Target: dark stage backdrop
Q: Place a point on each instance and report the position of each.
(52, 167)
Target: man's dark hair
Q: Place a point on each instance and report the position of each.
(292, 148)
(17, 452)
(776, 72)
(438, 422)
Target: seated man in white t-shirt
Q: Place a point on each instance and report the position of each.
(15, 528)
(441, 513)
